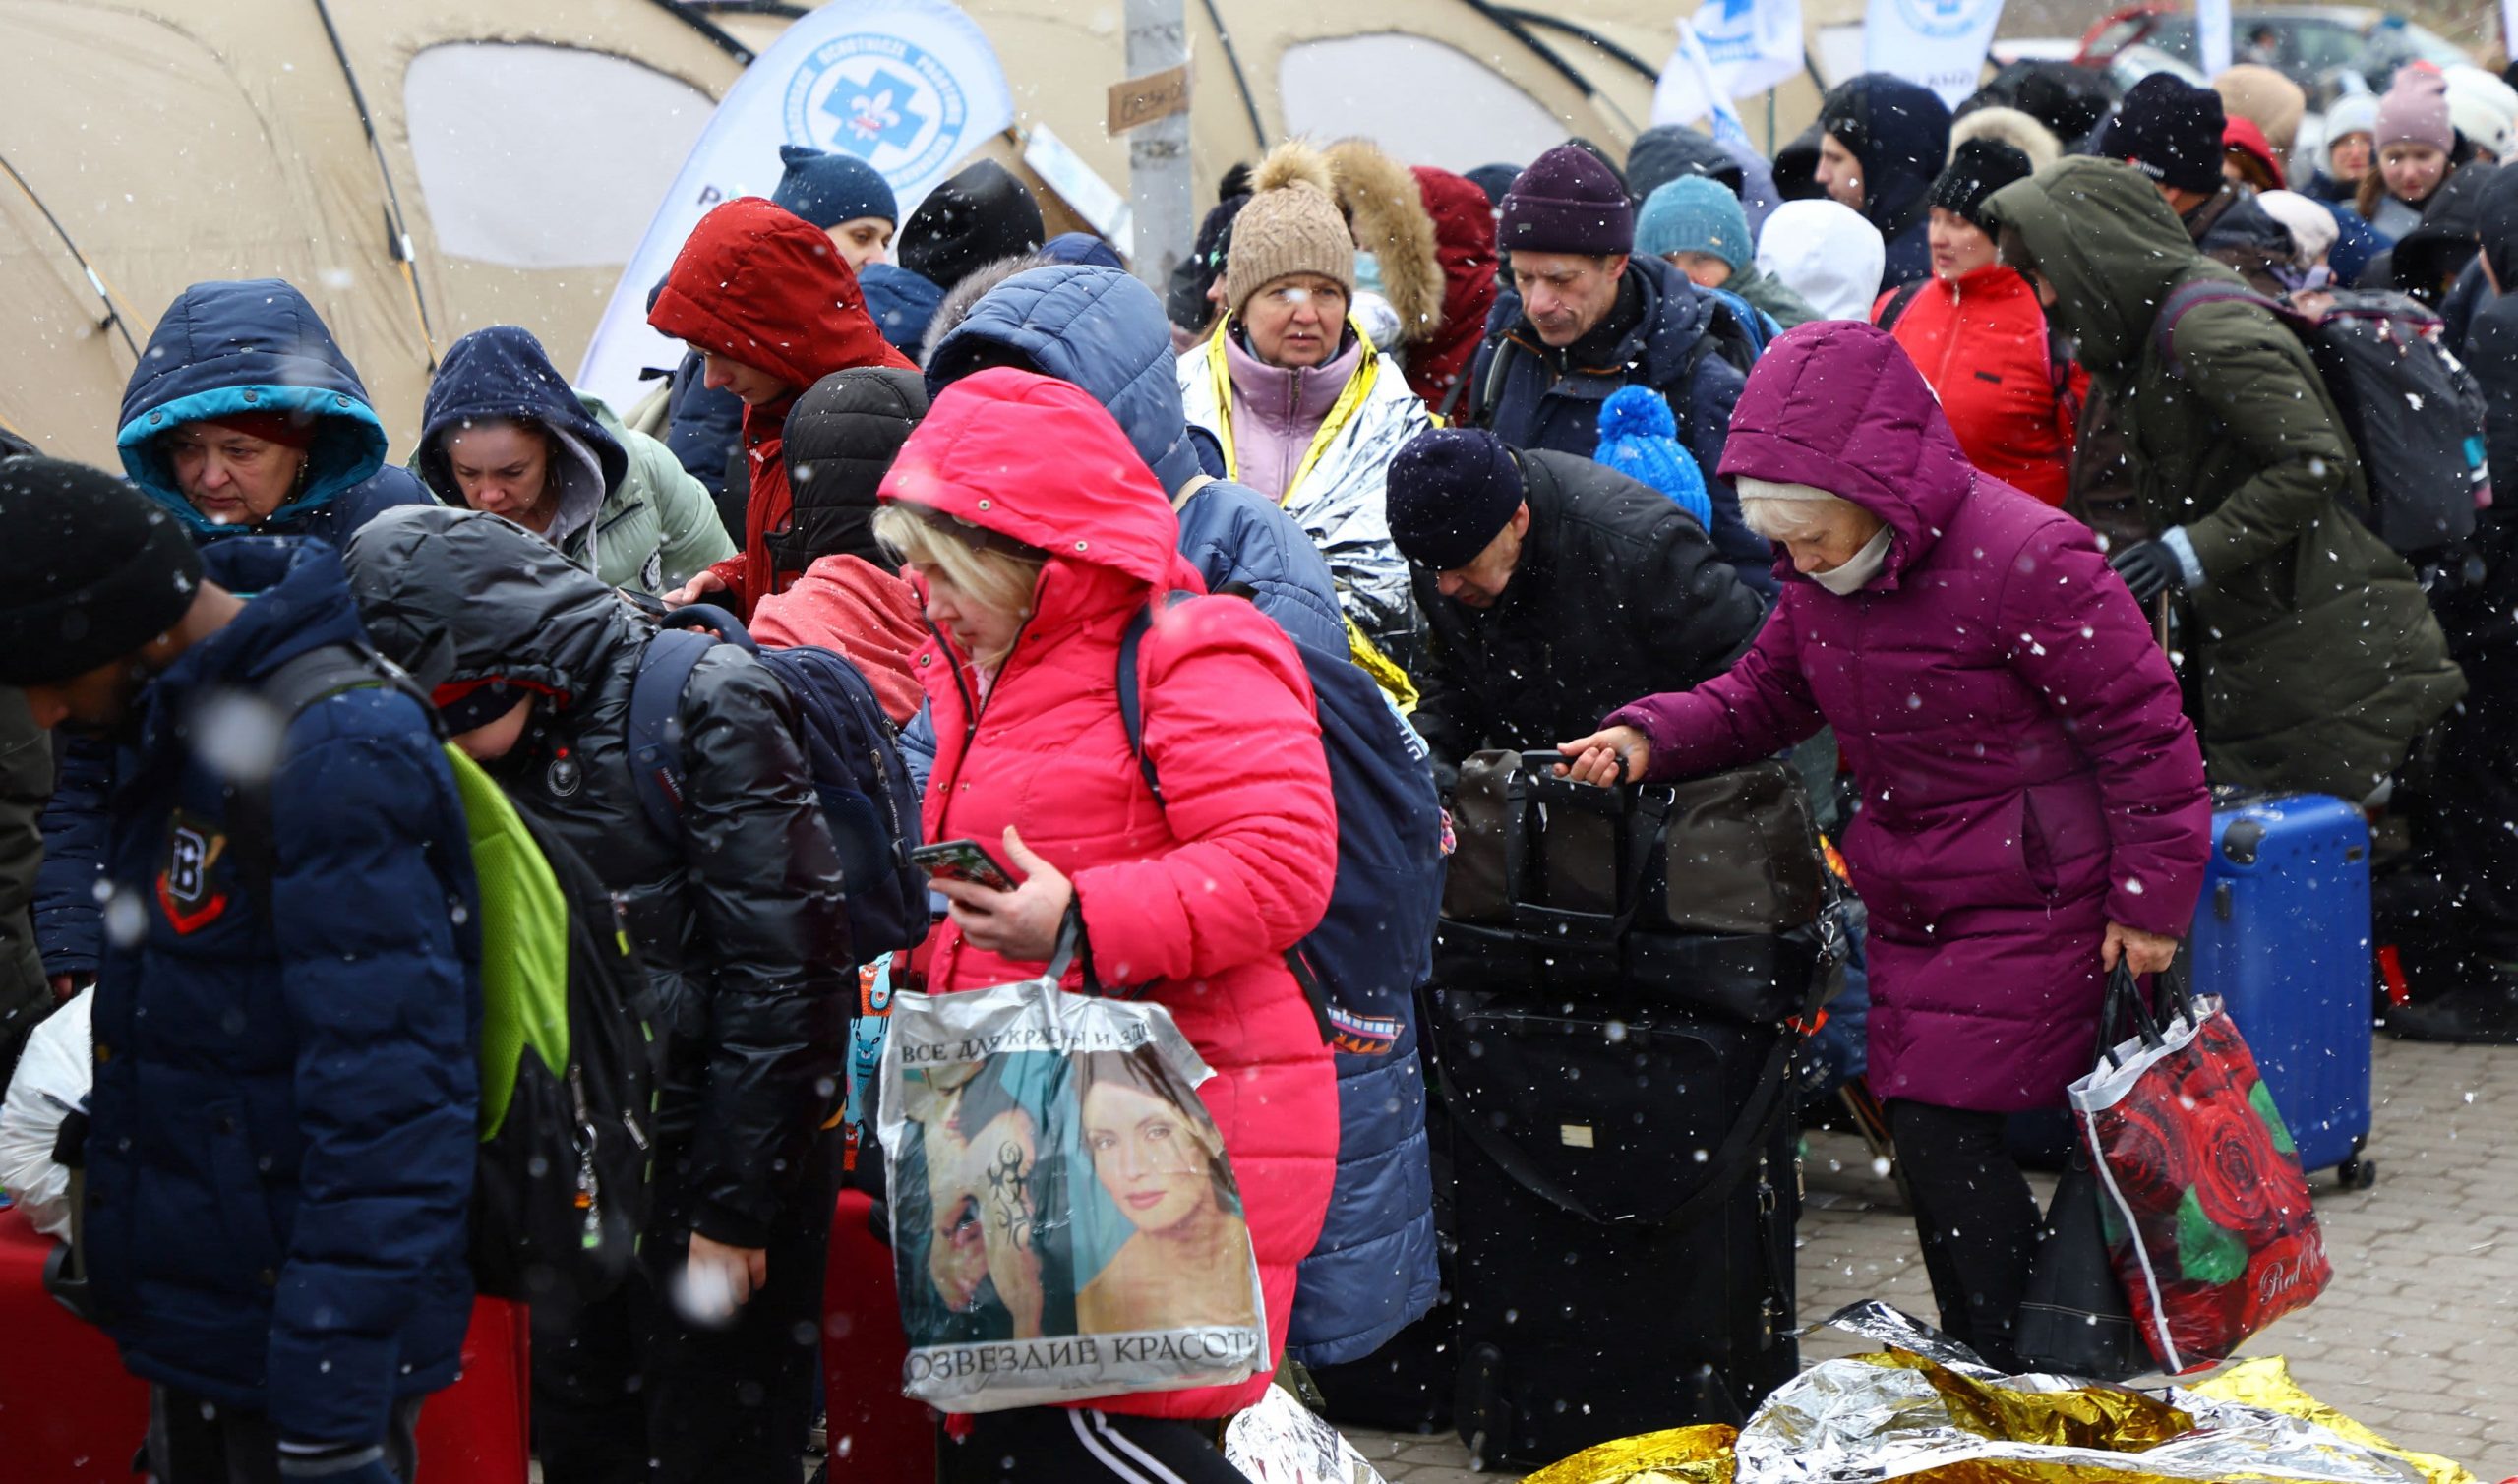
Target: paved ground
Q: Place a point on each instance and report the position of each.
(2418, 1337)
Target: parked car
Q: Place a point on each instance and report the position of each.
(2325, 48)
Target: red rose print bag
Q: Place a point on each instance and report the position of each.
(2204, 1206)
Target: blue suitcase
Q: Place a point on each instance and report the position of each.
(2282, 935)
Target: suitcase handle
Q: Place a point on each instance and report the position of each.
(1643, 814)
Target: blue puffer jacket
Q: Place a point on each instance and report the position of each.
(901, 303)
(1537, 398)
(1373, 1269)
(280, 1152)
(258, 346)
(221, 348)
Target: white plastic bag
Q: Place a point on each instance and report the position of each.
(1064, 1222)
(52, 1080)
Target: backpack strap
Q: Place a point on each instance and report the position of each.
(655, 704)
(2192, 294)
(1132, 718)
(299, 682)
(1899, 303)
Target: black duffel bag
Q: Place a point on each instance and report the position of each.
(1711, 893)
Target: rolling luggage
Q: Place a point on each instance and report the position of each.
(1625, 1179)
(2282, 935)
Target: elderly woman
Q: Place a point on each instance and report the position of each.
(2033, 802)
(1034, 536)
(1307, 412)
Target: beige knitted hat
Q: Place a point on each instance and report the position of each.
(1293, 225)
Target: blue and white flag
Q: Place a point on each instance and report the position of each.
(1731, 49)
(2212, 36)
(1688, 90)
(1937, 44)
(911, 86)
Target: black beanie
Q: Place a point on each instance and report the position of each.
(2171, 131)
(90, 570)
(1449, 492)
(1981, 167)
(968, 222)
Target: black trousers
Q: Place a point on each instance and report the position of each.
(1975, 1216)
(1040, 1444)
(626, 1391)
(192, 1441)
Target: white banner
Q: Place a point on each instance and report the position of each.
(1937, 44)
(2212, 36)
(912, 87)
(1688, 89)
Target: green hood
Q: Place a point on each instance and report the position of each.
(2099, 232)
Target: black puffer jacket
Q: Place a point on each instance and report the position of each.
(2424, 261)
(842, 434)
(741, 918)
(1619, 595)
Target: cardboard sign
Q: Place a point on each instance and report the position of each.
(1140, 101)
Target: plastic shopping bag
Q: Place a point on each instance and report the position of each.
(2208, 1219)
(52, 1080)
(1064, 1222)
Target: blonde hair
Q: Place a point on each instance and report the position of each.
(987, 576)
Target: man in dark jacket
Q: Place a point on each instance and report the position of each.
(2462, 952)
(2171, 132)
(1584, 316)
(282, 1140)
(1556, 590)
(2315, 656)
(1882, 140)
(26, 783)
(243, 416)
(740, 920)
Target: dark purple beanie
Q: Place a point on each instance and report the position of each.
(1449, 492)
(1567, 202)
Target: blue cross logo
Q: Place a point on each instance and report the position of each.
(877, 113)
(1733, 9)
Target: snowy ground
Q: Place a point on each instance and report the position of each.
(2418, 1337)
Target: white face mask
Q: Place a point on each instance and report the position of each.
(1859, 568)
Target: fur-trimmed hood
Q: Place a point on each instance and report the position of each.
(2009, 126)
(1385, 212)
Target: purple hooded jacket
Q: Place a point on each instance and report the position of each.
(2027, 774)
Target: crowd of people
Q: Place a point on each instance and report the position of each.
(1986, 465)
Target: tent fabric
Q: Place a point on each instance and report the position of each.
(182, 141)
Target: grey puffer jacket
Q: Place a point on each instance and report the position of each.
(740, 920)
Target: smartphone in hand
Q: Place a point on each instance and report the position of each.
(963, 860)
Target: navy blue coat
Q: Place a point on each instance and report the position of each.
(221, 348)
(1899, 131)
(903, 304)
(703, 427)
(284, 1126)
(1544, 401)
(1373, 1269)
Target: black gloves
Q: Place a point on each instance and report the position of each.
(2150, 569)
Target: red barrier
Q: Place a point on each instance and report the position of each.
(877, 1436)
(70, 1412)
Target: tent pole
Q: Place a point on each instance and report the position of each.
(1162, 194)
(95, 280)
(397, 229)
(1241, 79)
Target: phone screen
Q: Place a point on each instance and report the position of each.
(962, 861)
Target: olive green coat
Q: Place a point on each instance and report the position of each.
(2321, 660)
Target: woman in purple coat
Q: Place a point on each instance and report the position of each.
(2033, 804)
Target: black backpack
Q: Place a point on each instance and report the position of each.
(867, 795)
(2409, 406)
(562, 1186)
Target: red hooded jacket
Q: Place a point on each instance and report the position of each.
(1197, 898)
(1465, 244)
(760, 285)
(1981, 343)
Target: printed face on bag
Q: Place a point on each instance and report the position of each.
(1145, 1157)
